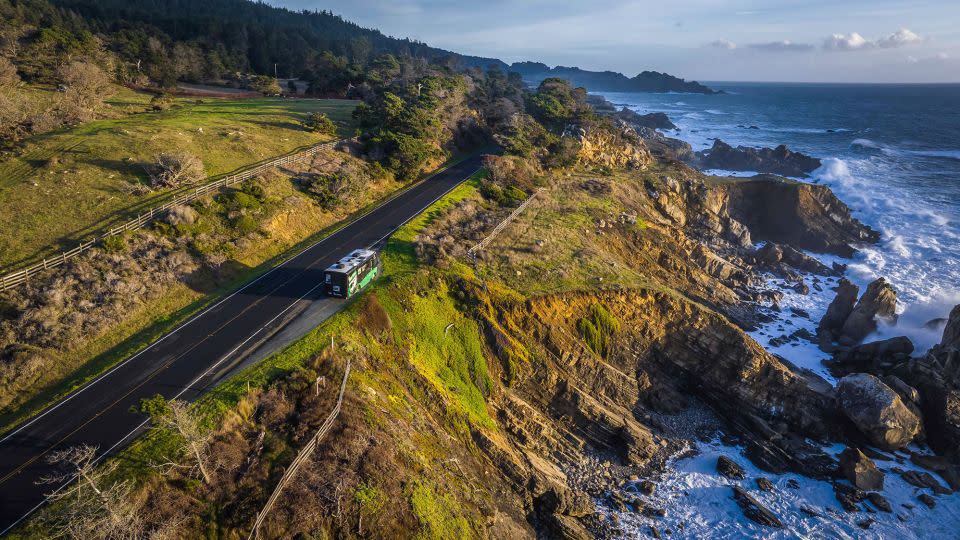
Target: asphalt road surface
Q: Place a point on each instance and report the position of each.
(195, 356)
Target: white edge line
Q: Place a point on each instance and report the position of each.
(214, 366)
(238, 291)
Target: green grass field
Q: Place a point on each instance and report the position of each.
(66, 183)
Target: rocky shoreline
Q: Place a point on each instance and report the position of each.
(885, 399)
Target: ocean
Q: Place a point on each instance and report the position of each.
(891, 153)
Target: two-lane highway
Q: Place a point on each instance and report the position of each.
(187, 361)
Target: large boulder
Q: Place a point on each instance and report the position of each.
(860, 470)
(879, 301)
(877, 411)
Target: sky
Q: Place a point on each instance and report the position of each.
(706, 40)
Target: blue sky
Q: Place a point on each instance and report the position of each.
(772, 40)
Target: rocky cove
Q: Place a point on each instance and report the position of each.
(590, 432)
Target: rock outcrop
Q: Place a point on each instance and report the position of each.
(779, 160)
(860, 470)
(877, 411)
(879, 301)
(804, 216)
(848, 323)
(828, 331)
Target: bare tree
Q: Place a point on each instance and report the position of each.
(90, 505)
(176, 169)
(175, 416)
(8, 73)
(87, 86)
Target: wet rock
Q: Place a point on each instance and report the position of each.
(927, 499)
(848, 496)
(879, 301)
(860, 470)
(764, 484)
(879, 501)
(947, 470)
(774, 256)
(655, 532)
(873, 357)
(923, 479)
(729, 468)
(877, 411)
(793, 484)
(647, 487)
(753, 510)
(866, 523)
(810, 511)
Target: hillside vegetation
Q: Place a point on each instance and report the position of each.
(61, 187)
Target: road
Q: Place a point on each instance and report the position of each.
(195, 356)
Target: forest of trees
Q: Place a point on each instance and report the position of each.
(213, 40)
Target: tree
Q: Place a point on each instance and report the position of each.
(176, 169)
(92, 505)
(266, 85)
(87, 86)
(175, 416)
(319, 122)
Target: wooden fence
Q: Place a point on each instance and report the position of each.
(301, 457)
(22, 276)
(503, 224)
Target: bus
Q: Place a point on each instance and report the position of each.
(353, 273)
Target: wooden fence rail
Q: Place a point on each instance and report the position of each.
(503, 224)
(22, 276)
(301, 457)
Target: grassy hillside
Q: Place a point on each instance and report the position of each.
(64, 183)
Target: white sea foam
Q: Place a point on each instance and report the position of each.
(699, 504)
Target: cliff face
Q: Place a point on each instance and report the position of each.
(806, 216)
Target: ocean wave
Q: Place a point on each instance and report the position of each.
(949, 154)
(894, 151)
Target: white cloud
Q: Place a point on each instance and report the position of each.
(912, 60)
(942, 56)
(722, 44)
(846, 42)
(898, 39)
(780, 46)
(854, 41)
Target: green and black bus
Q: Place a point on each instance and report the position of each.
(352, 273)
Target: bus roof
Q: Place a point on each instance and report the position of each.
(351, 261)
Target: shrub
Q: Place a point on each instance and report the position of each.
(597, 328)
(245, 224)
(181, 215)
(176, 169)
(114, 244)
(591, 335)
(161, 102)
(319, 122)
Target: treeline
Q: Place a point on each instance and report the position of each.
(213, 40)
